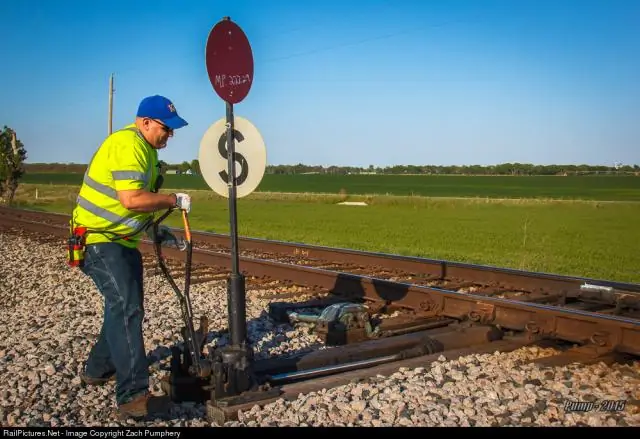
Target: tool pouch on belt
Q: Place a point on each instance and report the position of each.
(76, 247)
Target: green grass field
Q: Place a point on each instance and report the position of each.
(612, 188)
(594, 239)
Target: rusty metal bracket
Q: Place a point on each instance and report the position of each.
(428, 305)
(600, 338)
(482, 313)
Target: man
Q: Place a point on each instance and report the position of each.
(114, 208)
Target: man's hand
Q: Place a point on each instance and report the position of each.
(183, 202)
(166, 238)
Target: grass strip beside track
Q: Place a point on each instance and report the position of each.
(578, 238)
(596, 187)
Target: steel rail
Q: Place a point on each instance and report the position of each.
(538, 320)
(434, 269)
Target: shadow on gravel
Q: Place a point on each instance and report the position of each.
(265, 336)
(258, 329)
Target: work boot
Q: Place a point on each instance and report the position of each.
(92, 381)
(144, 405)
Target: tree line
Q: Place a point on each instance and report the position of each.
(499, 169)
(13, 155)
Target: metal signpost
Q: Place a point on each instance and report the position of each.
(229, 62)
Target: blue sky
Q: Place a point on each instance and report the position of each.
(348, 82)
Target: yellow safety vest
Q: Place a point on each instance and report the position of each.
(124, 161)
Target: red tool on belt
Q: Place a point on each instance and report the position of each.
(76, 244)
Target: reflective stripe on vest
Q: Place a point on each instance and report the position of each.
(99, 187)
(106, 215)
(130, 175)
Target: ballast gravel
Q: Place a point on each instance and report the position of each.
(51, 314)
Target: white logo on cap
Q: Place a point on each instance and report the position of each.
(171, 108)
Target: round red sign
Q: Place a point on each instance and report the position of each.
(229, 61)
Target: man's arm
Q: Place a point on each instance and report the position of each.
(140, 200)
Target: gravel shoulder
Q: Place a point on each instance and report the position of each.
(51, 315)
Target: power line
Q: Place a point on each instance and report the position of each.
(307, 27)
(352, 43)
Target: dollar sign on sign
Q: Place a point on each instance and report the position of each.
(239, 158)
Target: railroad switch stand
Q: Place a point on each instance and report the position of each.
(338, 324)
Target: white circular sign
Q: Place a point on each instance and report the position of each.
(250, 157)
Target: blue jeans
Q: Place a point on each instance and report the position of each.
(117, 273)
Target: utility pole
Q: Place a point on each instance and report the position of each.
(110, 104)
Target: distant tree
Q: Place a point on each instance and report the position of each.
(184, 167)
(195, 166)
(12, 157)
(163, 166)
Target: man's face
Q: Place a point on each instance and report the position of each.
(156, 133)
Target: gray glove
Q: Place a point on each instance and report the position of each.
(166, 238)
(183, 201)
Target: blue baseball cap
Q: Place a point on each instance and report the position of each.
(161, 108)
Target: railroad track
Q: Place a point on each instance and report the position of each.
(416, 308)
